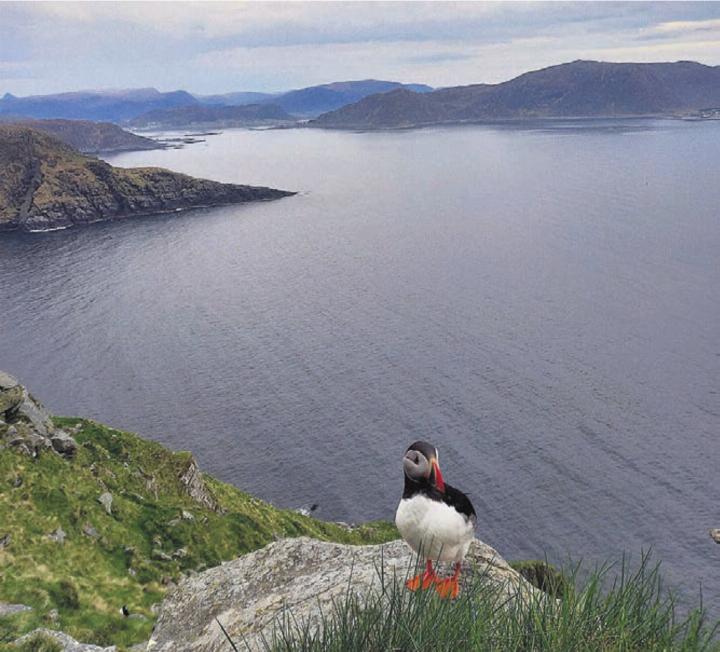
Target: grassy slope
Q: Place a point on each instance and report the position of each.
(88, 579)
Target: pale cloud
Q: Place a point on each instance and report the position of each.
(223, 46)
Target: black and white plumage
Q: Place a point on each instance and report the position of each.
(436, 520)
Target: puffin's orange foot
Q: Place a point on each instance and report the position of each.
(424, 581)
(448, 588)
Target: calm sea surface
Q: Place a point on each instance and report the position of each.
(543, 304)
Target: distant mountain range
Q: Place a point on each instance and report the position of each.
(198, 117)
(114, 106)
(577, 89)
(89, 137)
(125, 105)
(315, 100)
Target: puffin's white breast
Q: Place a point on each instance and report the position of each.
(434, 529)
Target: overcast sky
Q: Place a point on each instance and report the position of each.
(218, 47)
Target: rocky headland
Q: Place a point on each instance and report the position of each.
(46, 185)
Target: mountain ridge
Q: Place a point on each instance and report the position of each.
(576, 89)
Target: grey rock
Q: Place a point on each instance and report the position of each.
(7, 381)
(68, 643)
(10, 399)
(58, 535)
(160, 555)
(138, 647)
(5, 540)
(7, 609)
(90, 531)
(53, 615)
(715, 534)
(106, 500)
(250, 594)
(180, 553)
(63, 443)
(192, 480)
(187, 516)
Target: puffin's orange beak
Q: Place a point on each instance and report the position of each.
(439, 482)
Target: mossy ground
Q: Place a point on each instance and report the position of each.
(89, 577)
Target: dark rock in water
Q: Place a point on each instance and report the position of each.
(251, 593)
(46, 185)
(715, 534)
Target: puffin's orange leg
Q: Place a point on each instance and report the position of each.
(424, 581)
(450, 587)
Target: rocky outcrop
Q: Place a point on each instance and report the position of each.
(26, 424)
(302, 577)
(192, 481)
(67, 643)
(47, 185)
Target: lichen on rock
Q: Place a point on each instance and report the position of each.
(302, 577)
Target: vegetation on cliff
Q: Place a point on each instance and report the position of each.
(45, 184)
(76, 562)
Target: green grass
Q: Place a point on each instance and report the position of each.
(88, 579)
(613, 610)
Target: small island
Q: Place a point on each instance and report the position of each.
(47, 185)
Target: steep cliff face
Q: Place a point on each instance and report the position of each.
(45, 185)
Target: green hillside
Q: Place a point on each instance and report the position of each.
(155, 532)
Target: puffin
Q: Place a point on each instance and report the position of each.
(435, 519)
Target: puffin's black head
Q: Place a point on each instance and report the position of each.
(421, 465)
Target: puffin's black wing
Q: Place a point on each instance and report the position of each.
(458, 500)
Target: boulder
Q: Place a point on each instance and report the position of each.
(106, 500)
(715, 534)
(302, 577)
(67, 643)
(63, 443)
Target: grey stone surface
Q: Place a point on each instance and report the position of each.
(192, 480)
(69, 644)
(27, 425)
(715, 534)
(249, 594)
(106, 500)
(58, 535)
(63, 443)
(7, 609)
